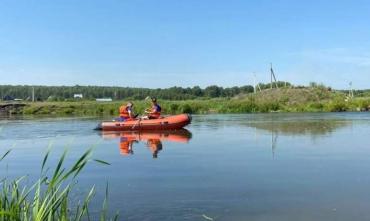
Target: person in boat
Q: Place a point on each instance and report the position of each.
(155, 111)
(126, 112)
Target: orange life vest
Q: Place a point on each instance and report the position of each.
(124, 112)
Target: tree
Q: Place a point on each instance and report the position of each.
(212, 91)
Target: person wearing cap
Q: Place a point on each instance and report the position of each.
(155, 111)
(126, 112)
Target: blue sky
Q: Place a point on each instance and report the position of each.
(163, 43)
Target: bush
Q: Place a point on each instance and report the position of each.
(186, 109)
(336, 106)
(363, 104)
(268, 107)
(174, 108)
(316, 106)
(68, 111)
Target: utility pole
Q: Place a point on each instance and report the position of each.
(273, 77)
(33, 94)
(254, 82)
(350, 95)
(271, 71)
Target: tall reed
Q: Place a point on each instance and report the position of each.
(49, 197)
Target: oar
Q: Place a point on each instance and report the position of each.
(138, 123)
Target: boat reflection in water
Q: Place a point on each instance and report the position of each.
(153, 139)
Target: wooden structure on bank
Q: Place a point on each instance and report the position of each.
(8, 108)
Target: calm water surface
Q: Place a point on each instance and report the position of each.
(223, 167)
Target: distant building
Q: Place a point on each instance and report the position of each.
(104, 99)
(8, 98)
(78, 96)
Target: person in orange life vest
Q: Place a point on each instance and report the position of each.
(155, 111)
(155, 145)
(126, 112)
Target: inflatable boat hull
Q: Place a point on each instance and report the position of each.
(166, 123)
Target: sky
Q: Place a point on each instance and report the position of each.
(165, 43)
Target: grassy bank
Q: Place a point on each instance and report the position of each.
(276, 100)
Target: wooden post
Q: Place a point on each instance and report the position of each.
(351, 90)
(271, 74)
(33, 94)
(254, 82)
(273, 77)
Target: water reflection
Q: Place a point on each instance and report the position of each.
(315, 124)
(153, 139)
(313, 128)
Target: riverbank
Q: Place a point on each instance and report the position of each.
(276, 100)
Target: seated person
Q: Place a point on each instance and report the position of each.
(126, 112)
(155, 111)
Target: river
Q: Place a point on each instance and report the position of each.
(222, 167)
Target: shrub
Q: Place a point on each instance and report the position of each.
(336, 106)
(174, 108)
(186, 109)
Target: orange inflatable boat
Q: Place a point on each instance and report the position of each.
(165, 123)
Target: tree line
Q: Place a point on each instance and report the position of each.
(59, 93)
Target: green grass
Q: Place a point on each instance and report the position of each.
(49, 197)
(276, 100)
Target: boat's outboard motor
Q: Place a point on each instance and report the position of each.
(99, 127)
(190, 118)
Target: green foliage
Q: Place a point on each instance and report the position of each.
(186, 108)
(64, 93)
(174, 108)
(282, 99)
(49, 197)
(363, 104)
(280, 84)
(268, 107)
(316, 106)
(336, 105)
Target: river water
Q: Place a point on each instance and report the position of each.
(222, 167)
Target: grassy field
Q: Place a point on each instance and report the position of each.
(275, 100)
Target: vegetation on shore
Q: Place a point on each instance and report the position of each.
(306, 99)
(49, 198)
(67, 93)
